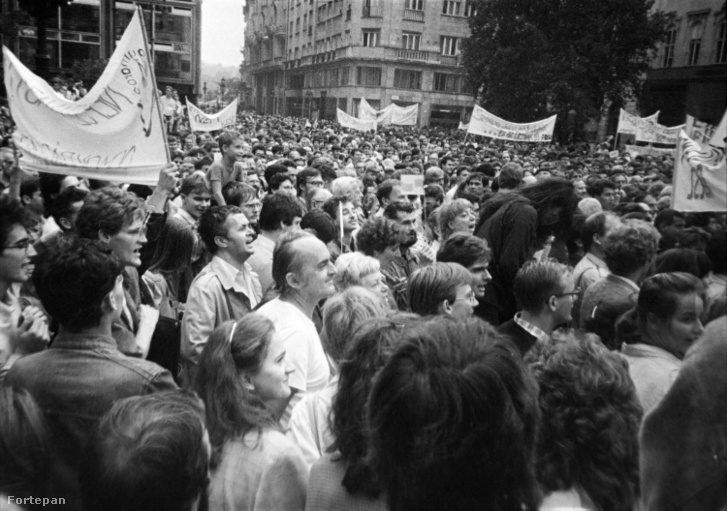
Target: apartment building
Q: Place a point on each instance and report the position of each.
(309, 57)
(688, 73)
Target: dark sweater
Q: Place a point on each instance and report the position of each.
(521, 337)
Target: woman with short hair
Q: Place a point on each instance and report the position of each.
(659, 330)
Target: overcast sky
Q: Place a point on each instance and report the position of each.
(223, 32)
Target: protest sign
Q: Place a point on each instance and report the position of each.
(392, 114)
(463, 126)
(613, 154)
(627, 122)
(412, 184)
(657, 134)
(348, 121)
(486, 124)
(366, 111)
(636, 150)
(698, 131)
(114, 133)
(223, 120)
(700, 176)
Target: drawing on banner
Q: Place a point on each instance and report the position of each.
(224, 119)
(627, 122)
(349, 121)
(700, 176)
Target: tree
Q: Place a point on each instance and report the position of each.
(527, 59)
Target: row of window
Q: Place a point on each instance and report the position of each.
(448, 45)
(371, 77)
(695, 49)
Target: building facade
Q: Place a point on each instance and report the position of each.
(309, 57)
(688, 73)
(87, 30)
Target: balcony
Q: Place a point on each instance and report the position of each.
(424, 56)
(410, 15)
(448, 60)
(372, 11)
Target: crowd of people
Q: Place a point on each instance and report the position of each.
(286, 321)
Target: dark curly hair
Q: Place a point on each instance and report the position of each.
(588, 436)
(377, 234)
(108, 210)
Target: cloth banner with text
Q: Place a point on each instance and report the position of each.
(392, 114)
(700, 173)
(657, 134)
(486, 124)
(113, 133)
(223, 120)
(349, 121)
(698, 131)
(627, 122)
(645, 150)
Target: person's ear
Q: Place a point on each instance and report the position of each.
(552, 303)
(109, 302)
(293, 280)
(102, 236)
(65, 223)
(445, 307)
(221, 241)
(652, 321)
(247, 382)
(25, 199)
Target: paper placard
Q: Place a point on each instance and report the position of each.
(412, 184)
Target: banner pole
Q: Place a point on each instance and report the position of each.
(150, 60)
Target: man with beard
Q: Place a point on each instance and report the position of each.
(405, 263)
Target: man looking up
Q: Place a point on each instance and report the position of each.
(79, 377)
(343, 213)
(230, 167)
(226, 288)
(303, 274)
(546, 293)
(279, 214)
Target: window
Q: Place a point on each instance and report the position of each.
(368, 76)
(444, 82)
(671, 37)
(407, 79)
(410, 40)
(451, 7)
(470, 9)
(695, 42)
(344, 76)
(370, 38)
(449, 45)
(721, 56)
(414, 5)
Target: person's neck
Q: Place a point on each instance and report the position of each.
(229, 161)
(542, 321)
(636, 277)
(273, 236)
(597, 251)
(102, 329)
(347, 238)
(4, 288)
(306, 304)
(228, 258)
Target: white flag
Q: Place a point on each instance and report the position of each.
(113, 133)
(223, 120)
(657, 134)
(627, 122)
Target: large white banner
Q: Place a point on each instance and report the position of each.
(222, 120)
(657, 134)
(700, 176)
(486, 124)
(366, 111)
(627, 122)
(645, 150)
(348, 121)
(113, 133)
(392, 114)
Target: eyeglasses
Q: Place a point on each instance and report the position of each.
(573, 294)
(20, 245)
(470, 298)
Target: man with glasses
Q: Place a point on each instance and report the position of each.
(25, 329)
(545, 292)
(307, 181)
